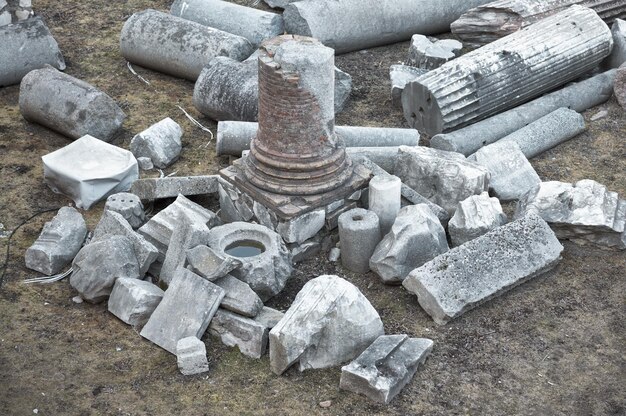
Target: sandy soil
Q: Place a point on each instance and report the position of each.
(552, 346)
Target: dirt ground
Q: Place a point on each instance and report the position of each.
(553, 346)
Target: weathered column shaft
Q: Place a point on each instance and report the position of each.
(508, 72)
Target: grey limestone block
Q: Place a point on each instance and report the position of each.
(239, 297)
(416, 237)
(250, 23)
(484, 268)
(511, 174)
(171, 187)
(128, 206)
(69, 105)
(191, 356)
(26, 46)
(145, 163)
(618, 55)
(330, 322)
(159, 142)
(134, 300)
(59, 241)
(99, 264)
(474, 217)
(203, 261)
(445, 178)
(385, 367)
(430, 55)
(189, 304)
(584, 212)
(111, 223)
(359, 234)
(400, 75)
(301, 228)
(154, 40)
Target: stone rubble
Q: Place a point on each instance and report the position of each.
(13, 11)
(59, 242)
(416, 237)
(128, 206)
(359, 234)
(187, 307)
(134, 300)
(205, 262)
(475, 216)
(425, 54)
(171, 187)
(159, 142)
(400, 75)
(481, 269)
(330, 322)
(191, 356)
(385, 367)
(239, 297)
(145, 163)
(584, 212)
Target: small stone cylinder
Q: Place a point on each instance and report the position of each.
(26, 46)
(384, 198)
(68, 105)
(252, 24)
(359, 234)
(176, 46)
(578, 97)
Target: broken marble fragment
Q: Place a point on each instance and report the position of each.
(203, 261)
(330, 322)
(159, 142)
(129, 206)
(400, 75)
(58, 243)
(239, 297)
(191, 356)
(425, 54)
(474, 217)
(134, 300)
(385, 367)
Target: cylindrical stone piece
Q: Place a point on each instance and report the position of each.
(492, 21)
(384, 198)
(26, 46)
(508, 72)
(350, 25)
(359, 234)
(578, 97)
(233, 137)
(177, 46)
(547, 132)
(295, 151)
(252, 24)
(69, 105)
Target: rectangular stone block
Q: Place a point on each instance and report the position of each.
(189, 304)
(171, 187)
(239, 297)
(483, 268)
(134, 300)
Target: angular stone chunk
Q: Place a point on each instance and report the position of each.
(191, 356)
(159, 142)
(188, 306)
(99, 264)
(206, 263)
(512, 175)
(249, 335)
(416, 237)
(430, 55)
(128, 206)
(134, 300)
(171, 187)
(303, 227)
(584, 212)
(329, 323)
(445, 178)
(474, 217)
(385, 367)
(112, 224)
(401, 75)
(239, 297)
(58, 242)
(483, 268)
(88, 170)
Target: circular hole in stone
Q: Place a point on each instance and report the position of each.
(245, 248)
(357, 218)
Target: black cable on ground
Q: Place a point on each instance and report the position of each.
(5, 266)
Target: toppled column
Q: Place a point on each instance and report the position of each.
(492, 21)
(429, 55)
(234, 137)
(385, 367)
(481, 269)
(160, 142)
(535, 60)
(384, 199)
(252, 24)
(350, 25)
(400, 75)
(27, 46)
(176, 46)
(58, 243)
(359, 234)
(69, 105)
(577, 97)
(584, 212)
(475, 216)
(14, 11)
